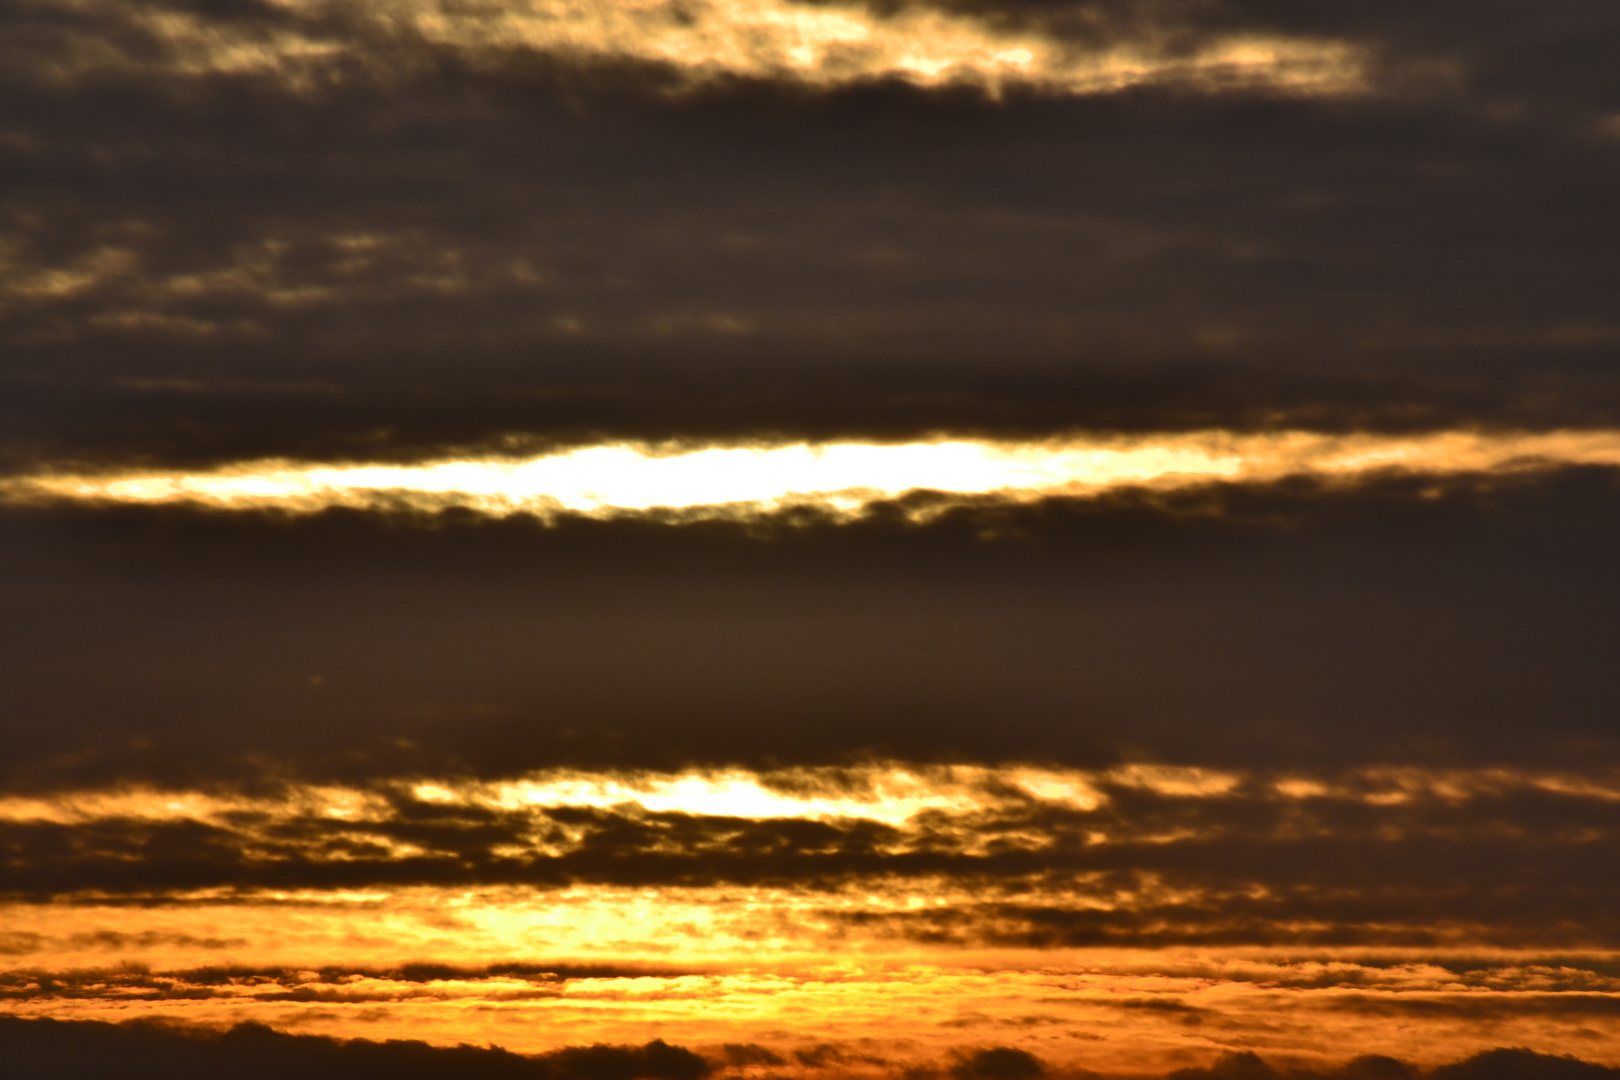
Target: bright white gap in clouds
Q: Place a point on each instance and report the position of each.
(843, 479)
(822, 45)
(892, 795)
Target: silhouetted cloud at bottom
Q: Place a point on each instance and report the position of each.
(1504, 1063)
(43, 1049)
(50, 1048)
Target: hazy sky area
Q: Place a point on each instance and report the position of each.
(786, 540)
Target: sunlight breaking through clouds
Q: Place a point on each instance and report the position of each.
(820, 45)
(1113, 1010)
(840, 479)
(903, 907)
(892, 794)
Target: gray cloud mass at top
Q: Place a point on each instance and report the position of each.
(235, 229)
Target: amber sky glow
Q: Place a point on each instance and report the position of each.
(1116, 1011)
(890, 944)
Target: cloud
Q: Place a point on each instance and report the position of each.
(1280, 627)
(655, 1061)
(839, 480)
(961, 858)
(47, 1049)
(745, 1054)
(1519, 1064)
(998, 1063)
(1063, 1009)
(1499, 1064)
(297, 216)
(707, 40)
(1293, 765)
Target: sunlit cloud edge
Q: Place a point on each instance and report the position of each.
(841, 481)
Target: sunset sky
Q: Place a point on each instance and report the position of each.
(794, 539)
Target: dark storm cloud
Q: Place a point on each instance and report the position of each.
(401, 244)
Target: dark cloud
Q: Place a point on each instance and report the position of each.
(746, 1054)
(53, 1049)
(136, 982)
(998, 1063)
(404, 247)
(50, 1049)
(1518, 1064)
(1275, 626)
(1500, 1064)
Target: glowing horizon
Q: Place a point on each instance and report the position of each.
(842, 479)
(347, 911)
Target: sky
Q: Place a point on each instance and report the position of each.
(798, 540)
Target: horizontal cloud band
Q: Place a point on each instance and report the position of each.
(841, 479)
(841, 921)
(47, 1049)
(819, 44)
(962, 857)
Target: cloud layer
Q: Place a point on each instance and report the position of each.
(1026, 858)
(306, 44)
(337, 232)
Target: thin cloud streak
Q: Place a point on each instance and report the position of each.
(840, 479)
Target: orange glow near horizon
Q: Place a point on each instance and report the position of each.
(924, 940)
(333, 966)
(840, 479)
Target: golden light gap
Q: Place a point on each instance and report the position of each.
(843, 480)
